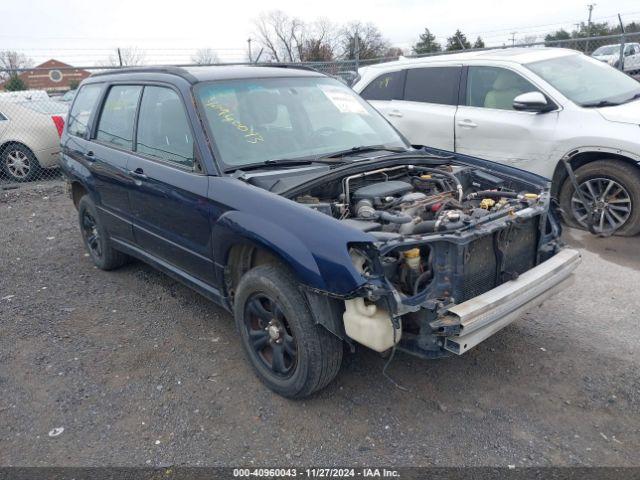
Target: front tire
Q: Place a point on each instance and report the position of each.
(290, 354)
(96, 239)
(19, 163)
(613, 187)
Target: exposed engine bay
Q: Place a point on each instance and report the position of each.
(414, 201)
(442, 233)
(417, 200)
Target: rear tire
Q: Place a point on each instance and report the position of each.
(96, 239)
(19, 163)
(290, 354)
(619, 181)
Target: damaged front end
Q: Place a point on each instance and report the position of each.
(457, 253)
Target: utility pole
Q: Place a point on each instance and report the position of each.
(356, 48)
(119, 57)
(586, 46)
(249, 43)
(513, 39)
(622, 42)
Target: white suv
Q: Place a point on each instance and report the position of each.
(529, 108)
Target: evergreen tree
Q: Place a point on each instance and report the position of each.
(479, 43)
(427, 43)
(457, 42)
(15, 83)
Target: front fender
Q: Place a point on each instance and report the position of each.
(322, 264)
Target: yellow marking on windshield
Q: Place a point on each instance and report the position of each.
(227, 116)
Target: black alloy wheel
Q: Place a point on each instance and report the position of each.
(270, 335)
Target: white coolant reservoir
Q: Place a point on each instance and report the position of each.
(369, 325)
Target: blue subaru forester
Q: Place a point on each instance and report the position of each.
(281, 195)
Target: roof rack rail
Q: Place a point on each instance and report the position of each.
(171, 70)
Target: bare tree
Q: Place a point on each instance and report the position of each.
(11, 61)
(370, 44)
(205, 56)
(127, 57)
(321, 42)
(527, 39)
(281, 36)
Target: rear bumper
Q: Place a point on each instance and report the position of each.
(48, 157)
(484, 315)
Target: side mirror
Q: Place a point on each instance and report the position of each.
(531, 102)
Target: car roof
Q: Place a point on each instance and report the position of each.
(520, 55)
(196, 74)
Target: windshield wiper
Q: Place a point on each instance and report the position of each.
(601, 103)
(362, 149)
(285, 162)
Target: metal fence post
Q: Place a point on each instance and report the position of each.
(622, 40)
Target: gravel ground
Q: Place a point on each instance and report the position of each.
(139, 370)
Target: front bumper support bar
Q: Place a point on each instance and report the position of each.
(484, 315)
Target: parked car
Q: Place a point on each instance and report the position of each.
(528, 108)
(67, 97)
(30, 133)
(284, 197)
(24, 95)
(611, 54)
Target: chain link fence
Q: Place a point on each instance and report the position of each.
(32, 118)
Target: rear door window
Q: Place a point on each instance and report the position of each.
(433, 85)
(118, 116)
(387, 86)
(81, 111)
(163, 127)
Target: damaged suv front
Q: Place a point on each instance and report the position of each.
(457, 250)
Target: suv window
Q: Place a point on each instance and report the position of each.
(385, 87)
(82, 108)
(163, 127)
(433, 85)
(118, 116)
(494, 87)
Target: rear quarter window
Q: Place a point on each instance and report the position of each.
(387, 86)
(433, 85)
(84, 104)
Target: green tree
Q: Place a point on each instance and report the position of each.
(15, 83)
(479, 43)
(73, 84)
(426, 43)
(457, 42)
(561, 34)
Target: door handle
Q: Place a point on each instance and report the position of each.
(90, 156)
(138, 173)
(467, 123)
(395, 113)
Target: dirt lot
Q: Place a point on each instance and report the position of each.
(139, 370)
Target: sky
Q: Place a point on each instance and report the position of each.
(86, 32)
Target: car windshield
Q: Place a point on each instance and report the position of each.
(585, 81)
(607, 50)
(270, 119)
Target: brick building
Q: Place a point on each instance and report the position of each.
(52, 76)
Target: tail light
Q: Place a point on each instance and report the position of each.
(58, 121)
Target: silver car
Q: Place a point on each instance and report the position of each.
(29, 137)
